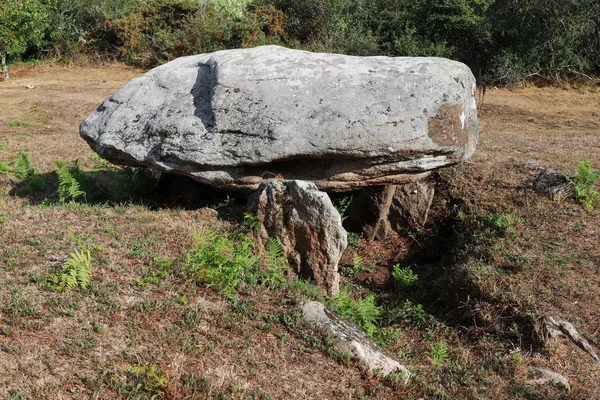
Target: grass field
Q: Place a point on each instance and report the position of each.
(464, 315)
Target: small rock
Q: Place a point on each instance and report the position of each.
(305, 222)
(557, 186)
(555, 327)
(542, 376)
(352, 339)
(534, 165)
(551, 328)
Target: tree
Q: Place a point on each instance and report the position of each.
(22, 22)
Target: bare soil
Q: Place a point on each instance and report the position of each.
(483, 288)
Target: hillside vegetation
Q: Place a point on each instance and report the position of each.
(503, 41)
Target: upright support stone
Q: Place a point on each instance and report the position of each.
(309, 228)
(378, 211)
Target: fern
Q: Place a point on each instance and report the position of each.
(275, 263)
(367, 314)
(438, 353)
(584, 184)
(363, 312)
(75, 273)
(220, 262)
(4, 168)
(343, 304)
(404, 276)
(22, 167)
(68, 186)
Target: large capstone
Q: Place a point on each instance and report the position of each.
(234, 118)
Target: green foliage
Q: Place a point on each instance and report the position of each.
(150, 377)
(75, 273)
(341, 205)
(366, 314)
(438, 353)
(491, 228)
(68, 187)
(404, 276)
(22, 22)
(342, 303)
(408, 313)
(363, 311)
(157, 270)
(105, 183)
(31, 181)
(19, 307)
(507, 40)
(22, 167)
(357, 267)
(219, 261)
(251, 222)
(585, 184)
(275, 263)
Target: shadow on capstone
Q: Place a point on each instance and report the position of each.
(203, 91)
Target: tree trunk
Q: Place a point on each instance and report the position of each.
(4, 69)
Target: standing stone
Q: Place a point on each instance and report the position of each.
(309, 228)
(234, 118)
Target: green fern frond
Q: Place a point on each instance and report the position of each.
(363, 312)
(68, 187)
(4, 168)
(220, 262)
(75, 273)
(367, 314)
(22, 167)
(276, 264)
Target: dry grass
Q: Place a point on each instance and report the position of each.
(482, 290)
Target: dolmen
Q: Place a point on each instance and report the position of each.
(277, 121)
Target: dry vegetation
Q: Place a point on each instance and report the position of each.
(491, 262)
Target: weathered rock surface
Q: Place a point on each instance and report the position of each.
(555, 327)
(233, 118)
(309, 228)
(543, 376)
(557, 186)
(378, 211)
(352, 339)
